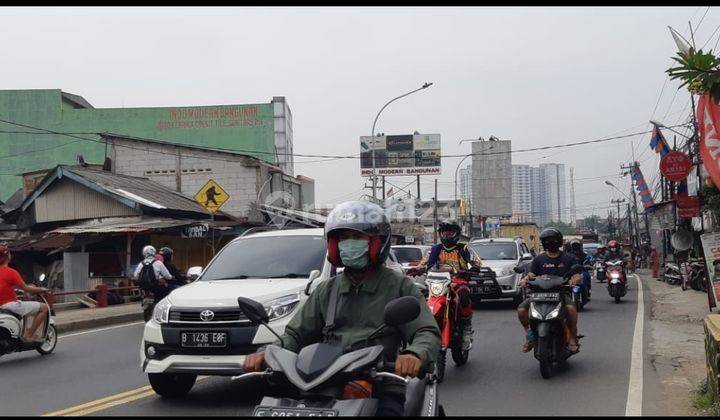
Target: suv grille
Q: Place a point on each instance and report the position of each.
(194, 316)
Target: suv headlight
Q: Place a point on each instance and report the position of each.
(162, 311)
(282, 306)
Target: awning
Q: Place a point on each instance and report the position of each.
(42, 243)
(133, 226)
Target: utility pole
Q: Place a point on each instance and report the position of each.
(617, 224)
(435, 214)
(636, 237)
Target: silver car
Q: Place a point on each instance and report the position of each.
(410, 255)
(502, 255)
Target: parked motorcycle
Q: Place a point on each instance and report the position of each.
(698, 275)
(673, 274)
(547, 315)
(12, 327)
(445, 307)
(322, 381)
(617, 280)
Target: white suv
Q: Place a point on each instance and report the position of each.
(199, 329)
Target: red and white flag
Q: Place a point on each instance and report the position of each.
(708, 115)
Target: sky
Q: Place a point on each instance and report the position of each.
(537, 76)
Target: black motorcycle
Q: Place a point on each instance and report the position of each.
(314, 381)
(547, 313)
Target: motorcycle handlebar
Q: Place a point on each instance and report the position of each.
(390, 367)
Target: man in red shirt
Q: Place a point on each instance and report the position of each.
(11, 280)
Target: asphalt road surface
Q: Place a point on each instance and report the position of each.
(97, 373)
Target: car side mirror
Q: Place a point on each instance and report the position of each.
(311, 278)
(527, 256)
(253, 310)
(194, 272)
(401, 311)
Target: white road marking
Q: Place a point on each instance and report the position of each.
(101, 329)
(635, 386)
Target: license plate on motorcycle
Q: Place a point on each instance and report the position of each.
(203, 339)
(545, 297)
(293, 412)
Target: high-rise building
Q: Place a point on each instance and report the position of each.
(555, 196)
(540, 192)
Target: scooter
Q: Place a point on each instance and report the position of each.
(322, 381)
(617, 281)
(600, 271)
(547, 315)
(444, 305)
(698, 276)
(12, 327)
(672, 274)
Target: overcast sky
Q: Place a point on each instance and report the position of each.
(537, 76)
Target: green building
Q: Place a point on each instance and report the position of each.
(32, 120)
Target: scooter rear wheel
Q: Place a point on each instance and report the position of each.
(51, 338)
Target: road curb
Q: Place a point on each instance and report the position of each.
(98, 322)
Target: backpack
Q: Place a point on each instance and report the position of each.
(146, 278)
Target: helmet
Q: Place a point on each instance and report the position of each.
(613, 245)
(576, 246)
(166, 252)
(148, 251)
(363, 217)
(551, 239)
(449, 225)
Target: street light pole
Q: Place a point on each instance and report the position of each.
(372, 133)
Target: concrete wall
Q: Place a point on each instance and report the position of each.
(239, 176)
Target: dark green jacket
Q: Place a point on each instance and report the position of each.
(360, 312)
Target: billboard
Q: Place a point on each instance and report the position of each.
(401, 155)
(491, 178)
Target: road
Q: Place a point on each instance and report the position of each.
(97, 372)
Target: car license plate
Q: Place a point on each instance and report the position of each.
(203, 339)
(293, 412)
(545, 297)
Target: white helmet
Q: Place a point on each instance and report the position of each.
(148, 251)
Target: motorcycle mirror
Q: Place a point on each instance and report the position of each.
(253, 310)
(527, 256)
(401, 311)
(311, 278)
(41, 279)
(518, 270)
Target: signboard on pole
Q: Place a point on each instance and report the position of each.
(402, 155)
(675, 166)
(711, 248)
(687, 205)
(211, 196)
(196, 231)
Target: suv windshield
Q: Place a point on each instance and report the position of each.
(406, 255)
(269, 257)
(495, 250)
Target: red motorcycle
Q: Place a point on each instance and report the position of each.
(616, 279)
(444, 303)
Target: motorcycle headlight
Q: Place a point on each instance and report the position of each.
(282, 306)
(534, 313)
(162, 311)
(555, 312)
(437, 289)
(615, 275)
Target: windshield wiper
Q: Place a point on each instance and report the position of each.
(242, 277)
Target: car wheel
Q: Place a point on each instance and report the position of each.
(171, 385)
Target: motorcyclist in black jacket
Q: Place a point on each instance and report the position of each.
(179, 278)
